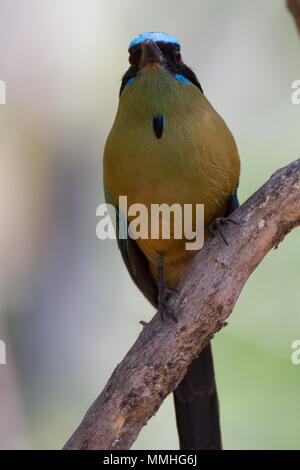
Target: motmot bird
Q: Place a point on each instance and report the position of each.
(169, 145)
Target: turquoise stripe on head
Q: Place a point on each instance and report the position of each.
(155, 37)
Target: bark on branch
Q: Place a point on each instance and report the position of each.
(158, 360)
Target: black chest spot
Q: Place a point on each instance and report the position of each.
(158, 123)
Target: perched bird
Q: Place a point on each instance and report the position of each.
(169, 145)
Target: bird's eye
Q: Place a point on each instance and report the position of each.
(177, 57)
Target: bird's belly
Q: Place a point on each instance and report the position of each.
(180, 186)
(179, 191)
(194, 162)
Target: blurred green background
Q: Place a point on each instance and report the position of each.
(68, 309)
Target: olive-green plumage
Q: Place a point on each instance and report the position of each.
(191, 158)
(195, 161)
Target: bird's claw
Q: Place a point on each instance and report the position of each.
(163, 296)
(170, 290)
(163, 308)
(217, 224)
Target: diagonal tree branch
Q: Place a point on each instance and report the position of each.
(158, 360)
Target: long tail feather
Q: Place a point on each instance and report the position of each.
(197, 407)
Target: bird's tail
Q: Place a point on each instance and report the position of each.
(197, 407)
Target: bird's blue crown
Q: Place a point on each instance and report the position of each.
(156, 37)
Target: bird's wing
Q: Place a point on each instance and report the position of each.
(133, 257)
(233, 203)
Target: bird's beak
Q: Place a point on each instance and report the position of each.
(151, 54)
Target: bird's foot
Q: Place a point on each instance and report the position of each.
(164, 309)
(163, 295)
(169, 291)
(216, 227)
